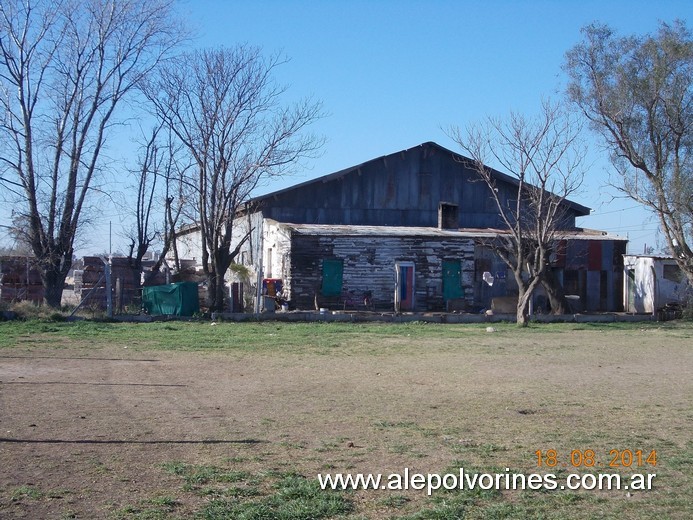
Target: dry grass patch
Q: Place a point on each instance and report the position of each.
(236, 420)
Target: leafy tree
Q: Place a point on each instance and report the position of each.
(636, 93)
(65, 66)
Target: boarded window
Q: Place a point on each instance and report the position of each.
(448, 215)
(332, 272)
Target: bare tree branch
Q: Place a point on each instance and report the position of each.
(158, 186)
(225, 108)
(636, 92)
(65, 66)
(545, 158)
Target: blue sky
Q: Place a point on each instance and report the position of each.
(394, 74)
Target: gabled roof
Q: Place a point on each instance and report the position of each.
(578, 208)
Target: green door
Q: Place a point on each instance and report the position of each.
(452, 280)
(332, 275)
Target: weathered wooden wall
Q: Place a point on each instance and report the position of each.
(401, 189)
(369, 265)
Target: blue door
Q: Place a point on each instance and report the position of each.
(404, 286)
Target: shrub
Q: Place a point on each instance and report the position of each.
(28, 310)
(688, 310)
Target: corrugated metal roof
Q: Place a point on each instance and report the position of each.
(391, 231)
(655, 256)
(404, 231)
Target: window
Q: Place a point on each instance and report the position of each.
(448, 215)
(332, 273)
(571, 282)
(673, 273)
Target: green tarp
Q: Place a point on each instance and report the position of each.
(178, 299)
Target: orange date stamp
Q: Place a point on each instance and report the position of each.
(590, 459)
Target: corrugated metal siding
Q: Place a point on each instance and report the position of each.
(593, 285)
(594, 254)
(600, 264)
(576, 255)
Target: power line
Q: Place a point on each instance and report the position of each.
(615, 210)
(634, 227)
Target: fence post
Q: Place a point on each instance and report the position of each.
(109, 286)
(119, 295)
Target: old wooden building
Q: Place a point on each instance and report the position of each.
(406, 229)
(413, 187)
(402, 267)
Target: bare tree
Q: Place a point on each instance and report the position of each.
(159, 185)
(65, 66)
(15, 249)
(226, 109)
(544, 158)
(636, 93)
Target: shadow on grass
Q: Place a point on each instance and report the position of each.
(119, 441)
(80, 383)
(80, 358)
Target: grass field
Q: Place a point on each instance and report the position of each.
(193, 420)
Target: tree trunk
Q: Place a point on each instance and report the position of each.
(526, 291)
(554, 292)
(689, 275)
(53, 283)
(685, 263)
(523, 307)
(216, 291)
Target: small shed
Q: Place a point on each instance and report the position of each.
(651, 282)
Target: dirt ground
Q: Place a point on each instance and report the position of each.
(85, 433)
